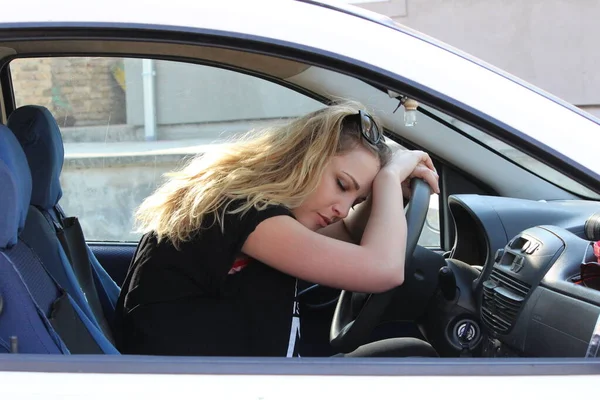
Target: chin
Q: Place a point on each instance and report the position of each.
(309, 223)
(313, 226)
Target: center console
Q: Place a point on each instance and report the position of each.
(529, 303)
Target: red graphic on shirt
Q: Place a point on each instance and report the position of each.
(239, 264)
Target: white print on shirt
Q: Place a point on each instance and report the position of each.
(295, 328)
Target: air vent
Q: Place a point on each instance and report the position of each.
(503, 297)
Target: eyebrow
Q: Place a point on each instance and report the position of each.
(356, 185)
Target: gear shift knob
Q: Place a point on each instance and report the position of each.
(447, 282)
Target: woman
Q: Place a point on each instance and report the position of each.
(227, 237)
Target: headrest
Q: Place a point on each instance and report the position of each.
(39, 134)
(15, 184)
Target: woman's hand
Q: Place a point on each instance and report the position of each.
(413, 164)
(431, 177)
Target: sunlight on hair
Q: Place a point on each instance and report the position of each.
(276, 165)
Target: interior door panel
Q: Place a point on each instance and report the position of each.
(114, 257)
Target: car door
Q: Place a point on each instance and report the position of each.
(414, 71)
(114, 157)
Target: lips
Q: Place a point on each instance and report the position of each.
(324, 221)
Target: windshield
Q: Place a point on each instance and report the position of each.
(516, 156)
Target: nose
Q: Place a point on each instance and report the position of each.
(340, 211)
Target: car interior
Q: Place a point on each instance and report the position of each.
(495, 266)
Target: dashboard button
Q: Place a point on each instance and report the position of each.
(498, 256)
(517, 264)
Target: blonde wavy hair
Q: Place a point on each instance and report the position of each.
(279, 165)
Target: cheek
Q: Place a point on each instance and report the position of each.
(308, 205)
(325, 194)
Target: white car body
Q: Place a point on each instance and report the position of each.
(361, 41)
(548, 123)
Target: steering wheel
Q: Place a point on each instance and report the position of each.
(351, 329)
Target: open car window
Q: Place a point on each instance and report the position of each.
(125, 122)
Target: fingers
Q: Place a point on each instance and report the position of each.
(425, 159)
(416, 164)
(433, 180)
(417, 157)
(428, 176)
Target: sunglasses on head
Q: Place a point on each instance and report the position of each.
(369, 129)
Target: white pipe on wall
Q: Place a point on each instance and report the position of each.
(148, 74)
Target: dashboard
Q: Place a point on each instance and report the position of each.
(526, 299)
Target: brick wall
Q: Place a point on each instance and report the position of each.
(32, 81)
(78, 91)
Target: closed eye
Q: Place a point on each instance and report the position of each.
(341, 185)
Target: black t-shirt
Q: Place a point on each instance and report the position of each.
(204, 300)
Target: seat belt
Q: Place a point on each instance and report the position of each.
(69, 234)
(105, 298)
(88, 279)
(58, 230)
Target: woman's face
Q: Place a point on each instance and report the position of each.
(346, 181)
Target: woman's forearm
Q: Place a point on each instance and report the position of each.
(385, 230)
(356, 221)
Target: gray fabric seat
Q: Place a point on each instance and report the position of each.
(70, 261)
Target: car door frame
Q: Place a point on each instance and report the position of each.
(256, 366)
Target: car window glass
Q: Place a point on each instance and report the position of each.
(518, 157)
(125, 122)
